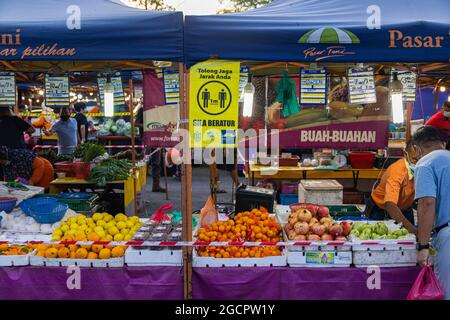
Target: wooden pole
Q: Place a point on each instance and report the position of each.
(409, 110)
(133, 146)
(186, 186)
(165, 172)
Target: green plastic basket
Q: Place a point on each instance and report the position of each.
(79, 205)
(338, 211)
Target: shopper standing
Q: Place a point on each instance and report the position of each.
(66, 129)
(82, 122)
(12, 130)
(432, 182)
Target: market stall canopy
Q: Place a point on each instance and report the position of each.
(87, 30)
(325, 30)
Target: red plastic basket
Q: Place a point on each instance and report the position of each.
(82, 169)
(66, 166)
(362, 159)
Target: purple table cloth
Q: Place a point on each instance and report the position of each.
(50, 283)
(300, 283)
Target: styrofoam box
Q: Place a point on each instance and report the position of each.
(145, 257)
(325, 192)
(385, 255)
(277, 261)
(15, 261)
(57, 262)
(319, 258)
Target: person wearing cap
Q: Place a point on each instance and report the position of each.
(394, 196)
(441, 121)
(432, 182)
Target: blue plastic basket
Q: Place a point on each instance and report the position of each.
(48, 213)
(44, 210)
(26, 204)
(75, 195)
(7, 204)
(287, 199)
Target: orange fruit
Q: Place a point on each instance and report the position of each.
(92, 236)
(117, 252)
(73, 247)
(92, 255)
(97, 248)
(63, 253)
(105, 253)
(40, 253)
(86, 246)
(81, 253)
(42, 247)
(4, 247)
(73, 255)
(51, 253)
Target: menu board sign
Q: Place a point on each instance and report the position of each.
(171, 86)
(116, 81)
(7, 89)
(409, 81)
(361, 85)
(57, 91)
(313, 86)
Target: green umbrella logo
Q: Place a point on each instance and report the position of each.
(329, 35)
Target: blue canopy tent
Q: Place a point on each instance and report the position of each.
(87, 30)
(324, 30)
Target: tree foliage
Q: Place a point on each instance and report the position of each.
(243, 5)
(152, 5)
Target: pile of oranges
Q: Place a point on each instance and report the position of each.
(254, 226)
(14, 250)
(95, 251)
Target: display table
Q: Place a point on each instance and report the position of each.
(19, 194)
(275, 283)
(50, 283)
(296, 173)
(61, 185)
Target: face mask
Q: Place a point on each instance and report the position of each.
(446, 114)
(65, 118)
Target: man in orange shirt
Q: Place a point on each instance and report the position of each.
(394, 196)
(42, 174)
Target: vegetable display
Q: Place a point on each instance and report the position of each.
(115, 128)
(110, 170)
(48, 154)
(89, 151)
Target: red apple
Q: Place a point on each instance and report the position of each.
(323, 212)
(301, 228)
(318, 229)
(300, 237)
(327, 237)
(335, 230)
(312, 208)
(346, 227)
(313, 237)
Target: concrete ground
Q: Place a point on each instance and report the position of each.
(200, 190)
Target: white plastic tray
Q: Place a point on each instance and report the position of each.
(277, 261)
(15, 261)
(58, 262)
(145, 257)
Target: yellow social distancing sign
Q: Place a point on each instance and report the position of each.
(214, 104)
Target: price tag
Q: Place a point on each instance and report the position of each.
(313, 86)
(361, 86)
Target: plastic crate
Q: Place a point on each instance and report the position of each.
(287, 199)
(84, 203)
(65, 166)
(289, 188)
(337, 212)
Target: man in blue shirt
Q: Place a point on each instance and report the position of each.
(66, 129)
(432, 184)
